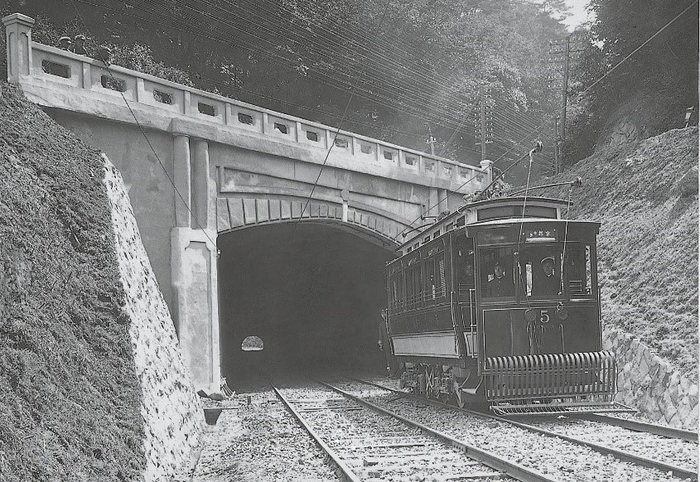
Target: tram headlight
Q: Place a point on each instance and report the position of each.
(562, 312)
(530, 315)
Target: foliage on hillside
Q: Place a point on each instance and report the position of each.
(645, 194)
(393, 69)
(69, 396)
(650, 91)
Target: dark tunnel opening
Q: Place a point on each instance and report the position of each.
(312, 293)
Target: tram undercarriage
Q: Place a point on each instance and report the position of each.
(513, 387)
(443, 383)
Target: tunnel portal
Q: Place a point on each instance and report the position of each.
(312, 292)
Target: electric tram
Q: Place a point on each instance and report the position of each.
(498, 303)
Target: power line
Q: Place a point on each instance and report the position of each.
(638, 48)
(330, 148)
(363, 93)
(148, 141)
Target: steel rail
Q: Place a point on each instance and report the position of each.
(621, 455)
(509, 468)
(682, 472)
(637, 426)
(346, 471)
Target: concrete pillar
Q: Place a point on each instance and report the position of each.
(18, 35)
(194, 276)
(194, 262)
(442, 200)
(486, 166)
(201, 185)
(181, 178)
(432, 209)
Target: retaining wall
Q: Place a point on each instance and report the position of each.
(650, 384)
(171, 411)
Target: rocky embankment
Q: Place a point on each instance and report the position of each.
(645, 195)
(92, 383)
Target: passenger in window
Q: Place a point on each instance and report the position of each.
(499, 285)
(549, 283)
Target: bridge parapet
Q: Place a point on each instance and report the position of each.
(58, 78)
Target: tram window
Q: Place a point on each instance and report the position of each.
(464, 262)
(579, 272)
(441, 274)
(435, 277)
(541, 271)
(589, 272)
(497, 273)
(413, 286)
(430, 278)
(527, 282)
(395, 293)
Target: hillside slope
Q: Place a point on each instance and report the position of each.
(69, 395)
(645, 194)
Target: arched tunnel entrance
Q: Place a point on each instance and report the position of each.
(313, 293)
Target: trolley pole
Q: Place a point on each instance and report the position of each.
(565, 85)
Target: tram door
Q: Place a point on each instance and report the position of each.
(463, 257)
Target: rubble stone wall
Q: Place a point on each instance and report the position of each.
(171, 410)
(651, 385)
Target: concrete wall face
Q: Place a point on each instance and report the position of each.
(240, 167)
(199, 288)
(245, 171)
(170, 408)
(650, 384)
(148, 186)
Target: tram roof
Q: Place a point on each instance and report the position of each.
(529, 220)
(534, 200)
(460, 217)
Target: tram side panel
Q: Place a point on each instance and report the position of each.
(421, 317)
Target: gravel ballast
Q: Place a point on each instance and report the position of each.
(562, 460)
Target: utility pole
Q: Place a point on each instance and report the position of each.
(565, 86)
(557, 145)
(431, 141)
(482, 123)
(560, 52)
(485, 131)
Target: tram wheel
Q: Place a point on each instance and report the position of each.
(461, 403)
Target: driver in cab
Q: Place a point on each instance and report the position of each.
(499, 285)
(548, 283)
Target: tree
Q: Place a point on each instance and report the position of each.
(649, 92)
(391, 69)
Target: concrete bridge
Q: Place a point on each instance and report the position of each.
(230, 197)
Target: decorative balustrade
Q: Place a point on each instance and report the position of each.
(58, 68)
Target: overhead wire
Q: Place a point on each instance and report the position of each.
(612, 69)
(150, 145)
(330, 148)
(381, 100)
(397, 83)
(588, 88)
(458, 126)
(389, 102)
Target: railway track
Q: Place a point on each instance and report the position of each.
(367, 442)
(637, 426)
(674, 455)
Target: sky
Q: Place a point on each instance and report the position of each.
(579, 14)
